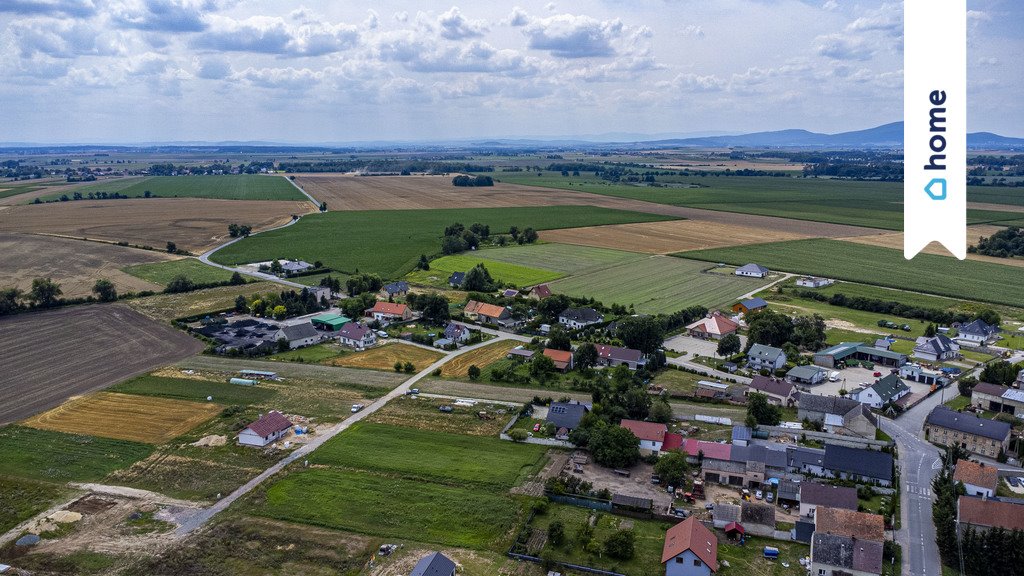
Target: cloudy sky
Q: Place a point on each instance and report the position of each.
(330, 71)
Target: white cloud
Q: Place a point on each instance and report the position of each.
(454, 26)
(570, 36)
(830, 5)
(162, 15)
(517, 18)
(214, 68)
(272, 35)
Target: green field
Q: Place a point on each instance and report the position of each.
(658, 284)
(392, 507)
(941, 275)
(859, 203)
(45, 455)
(227, 187)
(502, 272)
(854, 290)
(22, 499)
(456, 459)
(195, 390)
(314, 279)
(13, 188)
(390, 242)
(164, 272)
(565, 258)
(311, 354)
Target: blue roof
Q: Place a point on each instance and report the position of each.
(436, 564)
(751, 303)
(740, 433)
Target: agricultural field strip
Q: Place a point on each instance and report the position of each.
(517, 274)
(161, 273)
(226, 187)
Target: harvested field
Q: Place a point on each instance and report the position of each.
(566, 258)
(165, 307)
(74, 264)
(384, 357)
(193, 224)
(423, 413)
(669, 237)
(480, 357)
(225, 186)
(50, 356)
(224, 366)
(894, 240)
(146, 419)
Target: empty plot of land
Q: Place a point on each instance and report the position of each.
(384, 357)
(480, 357)
(192, 223)
(146, 419)
(74, 264)
(668, 237)
(227, 366)
(184, 304)
(50, 356)
(895, 240)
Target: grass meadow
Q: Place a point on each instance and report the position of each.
(164, 272)
(504, 272)
(59, 457)
(225, 187)
(21, 499)
(194, 390)
(564, 258)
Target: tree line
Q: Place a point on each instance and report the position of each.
(471, 181)
(889, 307)
(1006, 243)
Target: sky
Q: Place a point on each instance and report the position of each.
(324, 71)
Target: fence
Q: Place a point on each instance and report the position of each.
(581, 501)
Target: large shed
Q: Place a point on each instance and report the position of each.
(329, 321)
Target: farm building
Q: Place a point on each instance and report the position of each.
(883, 344)
(858, 464)
(299, 335)
(456, 279)
(399, 288)
(983, 514)
(576, 318)
(885, 390)
(749, 305)
(434, 564)
(258, 374)
(540, 292)
(843, 352)
(724, 514)
(690, 549)
(292, 267)
(838, 415)
(269, 428)
(713, 327)
(614, 355)
(938, 348)
(357, 335)
(650, 434)
(752, 271)
(388, 312)
(758, 518)
(805, 460)
(814, 282)
(916, 373)
(779, 392)
(761, 357)
(520, 354)
(250, 337)
(977, 435)
(566, 414)
(995, 398)
(813, 495)
(561, 358)
(978, 479)
(977, 333)
(329, 321)
(806, 375)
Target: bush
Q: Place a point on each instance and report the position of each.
(556, 533)
(621, 545)
(517, 435)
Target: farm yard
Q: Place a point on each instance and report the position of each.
(384, 357)
(74, 264)
(658, 284)
(150, 420)
(941, 275)
(503, 272)
(97, 346)
(166, 307)
(389, 243)
(193, 224)
(458, 366)
(224, 187)
(162, 273)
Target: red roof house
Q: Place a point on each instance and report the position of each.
(268, 428)
(650, 434)
(713, 327)
(561, 358)
(689, 543)
(389, 312)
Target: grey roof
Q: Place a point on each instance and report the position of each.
(827, 404)
(800, 456)
(456, 278)
(849, 553)
(741, 433)
(753, 268)
(754, 303)
(726, 513)
(299, 331)
(804, 531)
(804, 372)
(758, 453)
(889, 386)
(566, 414)
(436, 564)
(632, 501)
(764, 353)
(789, 490)
(397, 287)
(979, 328)
(582, 315)
(295, 266)
(353, 331)
(771, 386)
(831, 496)
(938, 344)
(968, 423)
(860, 461)
(882, 343)
(453, 330)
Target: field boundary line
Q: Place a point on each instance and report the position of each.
(304, 193)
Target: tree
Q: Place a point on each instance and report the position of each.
(360, 283)
(172, 247)
(586, 356)
(989, 316)
(331, 282)
(236, 279)
(282, 344)
(471, 240)
(541, 366)
(280, 312)
(104, 290)
(44, 293)
(275, 267)
(1001, 372)
(9, 301)
(672, 468)
(614, 446)
(965, 385)
(930, 331)
(556, 533)
(424, 263)
(478, 279)
(530, 235)
(518, 435)
(661, 412)
(729, 344)
(473, 372)
(452, 245)
(433, 308)
(769, 328)
(558, 339)
(762, 410)
(241, 304)
(621, 545)
(409, 368)
(179, 283)
(323, 206)
(809, 332)
(397, 366)
(644, 333)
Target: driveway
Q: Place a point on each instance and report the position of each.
(696, 346)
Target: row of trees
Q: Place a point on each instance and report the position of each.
(457, 238)
(771, 328)
(239, 230)
(279, 305)
(1005, 243)
(884, 306)
(463, 180)
(45, 293)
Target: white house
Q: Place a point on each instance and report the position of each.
(650, 434)
(269, 428)
(753, 271)
(299, 335)
(761, 357)
(576, 318)
(977, 478)
(356, 335)
(977, 333)
(938, 348)
(883, 391)
(814, 282)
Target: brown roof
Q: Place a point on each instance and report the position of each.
(772, 386)
(977, 474)
(269, 423)
(849, 523)
(828, 496)
(541, 291)
(561, 358)
(715, 323)
(392, 308)
(990, 513)
(694, 536)
(490, 310)
(646, 430)
(473, 307)
(990, 389)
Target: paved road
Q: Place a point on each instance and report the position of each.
(304, 193)
(708, 371)
(785, 276)
(193, 521)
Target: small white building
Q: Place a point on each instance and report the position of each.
(299, 335)
(356, 335)
(269, 428)
(814, 282)
(885, 390)
(752, 271)
(977, 478)
(650, 434)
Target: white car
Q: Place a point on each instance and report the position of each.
(759, 495)
(833, 377)
(357, 408)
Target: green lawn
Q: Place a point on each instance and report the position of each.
(565, 258)
(453, 459)
(393, 507)
(22, 499)
(55, 456)
(195, 390)
(314, 279)
(503, 272)
(191, 268)
(677, 381)
(310, 354)
(932, 274)
(859, 318)
(390, 242)
(227, 187)
(658, 284)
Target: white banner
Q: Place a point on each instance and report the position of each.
(935, 125)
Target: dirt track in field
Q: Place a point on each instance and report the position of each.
(192, 223)
(50, 356)
(75, 264)
(894, 240)
(126, 417)
(343, 192)
(667, 237)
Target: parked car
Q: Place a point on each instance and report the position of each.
(412, 391)
(877, 374)
(536, 427)
(382, 334)
(446, 409)
(709, 506)
(759, 495)
(769, 497)
(357, 408)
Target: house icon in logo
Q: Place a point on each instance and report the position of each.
(936, 189)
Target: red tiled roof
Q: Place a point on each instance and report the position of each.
(990, 513)
(391, 308)
(712, 450)
(694, 536)
(490, 310)
(541, 291)
(977, 474)
(672, 441)
(717, 323)
(472, 307)
(849, 523)
(561, 358)
(651, 431)
(269, 423)
(735, 527)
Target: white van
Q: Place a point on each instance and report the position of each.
(833, 377)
